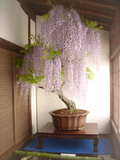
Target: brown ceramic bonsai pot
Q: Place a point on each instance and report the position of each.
(69, 121)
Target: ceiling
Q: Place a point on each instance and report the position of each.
(102, 11)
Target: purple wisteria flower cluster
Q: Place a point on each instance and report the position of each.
(80, 48)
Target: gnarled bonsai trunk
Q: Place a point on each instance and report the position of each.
(69, 103)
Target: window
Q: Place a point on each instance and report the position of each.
(115, 91)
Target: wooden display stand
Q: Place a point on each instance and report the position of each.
(90, 131)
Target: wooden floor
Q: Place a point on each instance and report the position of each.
(19, 157)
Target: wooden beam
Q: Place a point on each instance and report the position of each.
(112, 4)
(101, 22)
(10, 46)
(27, 10)
(106, 24)
(109, 15)
(40, 11)
(29, 28)
(31, 2)
(88, 11)
(64, 1)
(97, 13)
(101, 3)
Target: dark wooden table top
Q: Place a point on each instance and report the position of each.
(89, 129)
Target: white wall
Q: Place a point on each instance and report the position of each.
(33, 97)
(13, 22)
(38, 21)
(98, 101)
(33, 110)
(32, 29)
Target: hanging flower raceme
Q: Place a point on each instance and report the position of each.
(67, 47)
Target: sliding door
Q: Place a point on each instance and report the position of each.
(6, 101)
(15, 118)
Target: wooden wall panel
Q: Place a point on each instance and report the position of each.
(15, 118)
(115, 32)
(6, 101)
(115, 82)
(21, 109)
(115, 22)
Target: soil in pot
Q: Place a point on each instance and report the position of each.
(66, 111)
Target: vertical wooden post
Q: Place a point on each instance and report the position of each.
(29, 28)
(119, 80)
(36, 88)
(29, 97)
(14, 96)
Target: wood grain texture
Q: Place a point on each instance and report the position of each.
(6, 113)
(14, 122)
(101, 11)
(90, 131)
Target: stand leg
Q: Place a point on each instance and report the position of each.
(40, 140)
(95, 145)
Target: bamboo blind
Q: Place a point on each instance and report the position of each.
(21, 109)
(6, 101)
(14, 115)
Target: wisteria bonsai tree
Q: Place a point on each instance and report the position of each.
(64, 53)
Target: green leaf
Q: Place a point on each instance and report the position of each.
(17, 75)
(62, 75)
(43, 57)
(71, 6)
(39, 78)
(75, 110)
(101, 27)
(18, 62)
(90, 74)
(27, 69)
(92, 25)
(49, 2)
(28, 48)
(87, 22)
(50, 58)
(45, 52)
(52, 53)
(46, 16)
(17, 66)
(59, 53)
(29, 78)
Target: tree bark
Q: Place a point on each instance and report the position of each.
(69, 103)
